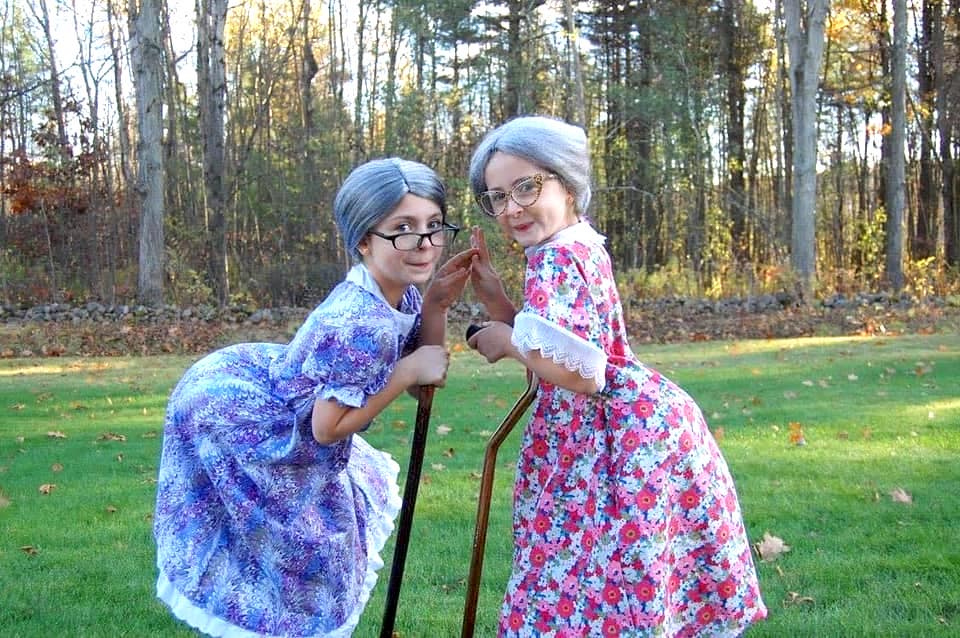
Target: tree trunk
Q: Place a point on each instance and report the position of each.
(511, 107)
(735, 202)
(805, 23)
(784, 176)
(211, 96)
(357, 142)
(57, 99)
(923, 242)
(896, 169)
(947, 130)
(145, 50)
(579, 114)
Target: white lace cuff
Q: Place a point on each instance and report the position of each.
(573, 352)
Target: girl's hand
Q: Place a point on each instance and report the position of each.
(493, 341)
(486, 282)
(449, 281)
(427, 365)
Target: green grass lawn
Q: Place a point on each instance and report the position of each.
(877, 414)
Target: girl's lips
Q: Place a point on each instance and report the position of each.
(522, 227)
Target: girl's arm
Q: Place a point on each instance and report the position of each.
(494, 343)
(332, 421)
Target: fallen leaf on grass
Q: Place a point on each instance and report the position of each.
(793, 598)
(852, 377)
(56, 435)
(4, 501)
(438, 467)
(30, 550)
(796, 434)
(56, 467)
(46, 488)
(900, 495)
(789, 394)
(449, 452)
(476, 476)
(152, 434)
(718, 434)
(111, 436)
(111, 509)
(771, 547)
(443, 429)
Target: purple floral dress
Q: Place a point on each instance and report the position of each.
(626, 520)
(261, 530)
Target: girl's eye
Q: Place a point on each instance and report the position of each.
(497, 196)
(402, 228)
(525, 186)
(434, 224)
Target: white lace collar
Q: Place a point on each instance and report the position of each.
(360, 275)
(581, 231)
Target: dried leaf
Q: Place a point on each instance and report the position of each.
(4, 501)
(56, 435)
(796, 434)
(771, 547)
(30, 550)
(56, 467)
(793, 598)
(900, 495)
(449, 452)
(718, 434)
(46, 488)
(111, 509)
(443, 429)
(852, 377)
(112, 436)
(789, 394)
(438, 467)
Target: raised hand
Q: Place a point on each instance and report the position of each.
(486, 282)
(449, 281)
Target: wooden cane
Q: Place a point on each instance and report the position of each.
(406, 509)
(483, 503)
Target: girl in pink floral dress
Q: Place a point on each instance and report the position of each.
(626, 519)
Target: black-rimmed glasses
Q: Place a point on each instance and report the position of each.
(525, 193)
(440, 237)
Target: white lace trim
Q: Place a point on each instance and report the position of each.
(532, 332)
(378, 531)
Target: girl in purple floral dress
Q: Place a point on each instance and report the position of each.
(626, 520)
(271, 511)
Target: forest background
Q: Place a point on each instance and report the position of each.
(164, 151)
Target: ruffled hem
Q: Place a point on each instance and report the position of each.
(532, 332)
(379, 528)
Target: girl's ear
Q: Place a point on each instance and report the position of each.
(364, 246)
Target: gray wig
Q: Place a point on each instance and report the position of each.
(372, 190)
(551, 144)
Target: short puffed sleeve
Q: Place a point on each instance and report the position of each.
(559, 315)
(352, 362)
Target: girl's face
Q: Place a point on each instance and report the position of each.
(395, 269)
(552, 211)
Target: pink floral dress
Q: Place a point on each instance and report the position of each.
(626, 519)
